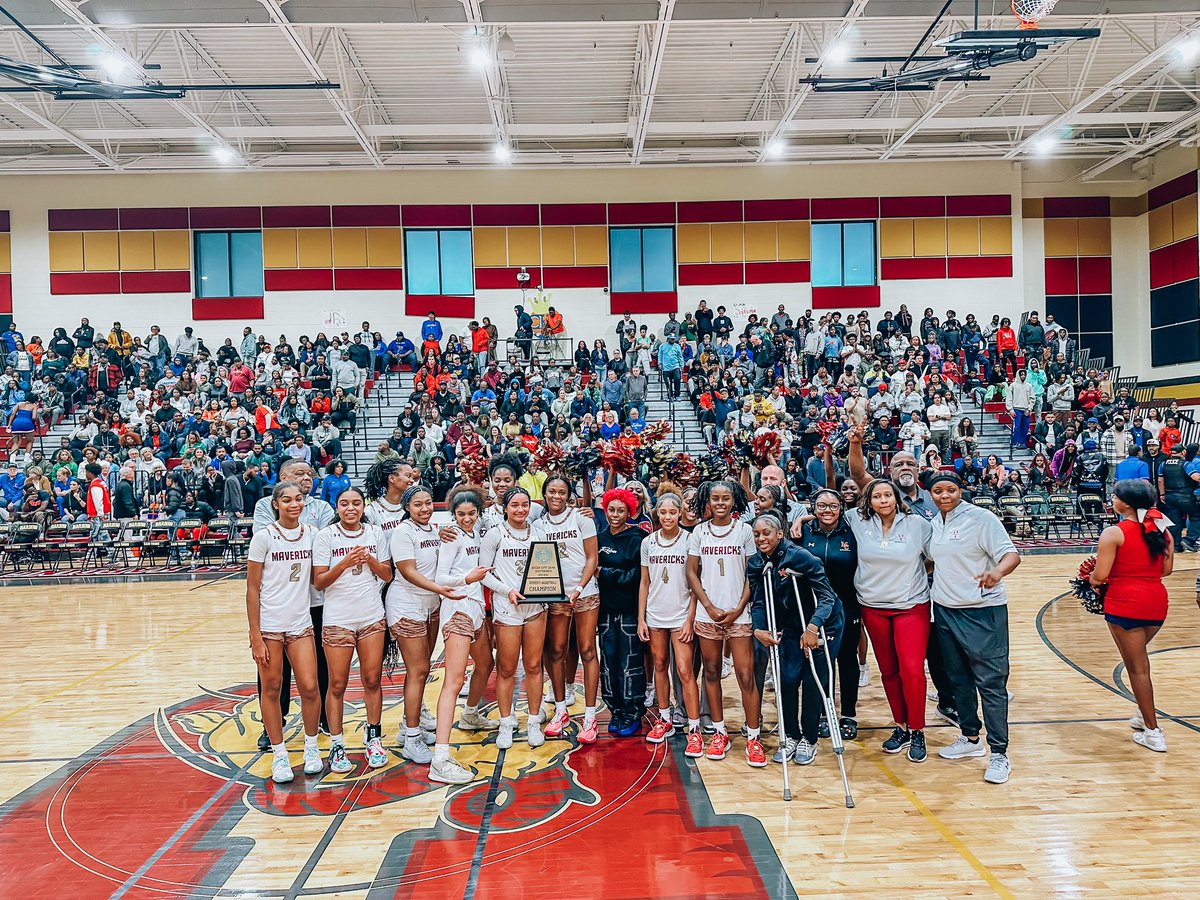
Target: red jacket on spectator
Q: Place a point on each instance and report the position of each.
(320, 405)
(1006, 339)
(479, 341)
(111, 372)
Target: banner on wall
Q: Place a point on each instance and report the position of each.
(740, 312)
(333, 319)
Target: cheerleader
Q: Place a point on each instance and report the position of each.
(520, 628)
(278, 596)
(666, 613)
(575, 535)
(350, 559)
(717, 554)
(464, 627)
(412, 612)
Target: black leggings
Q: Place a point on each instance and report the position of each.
(847, 663)
(285, 690)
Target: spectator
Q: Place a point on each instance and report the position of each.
(1133, 466)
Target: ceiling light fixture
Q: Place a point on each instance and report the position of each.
(837, 53)
(502, 153)
(1045, 146)
(224, 155)
(113, 65)
(506, 47)
(478, 56)
(1189, 49)
(775, 148)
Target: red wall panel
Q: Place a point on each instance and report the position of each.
(368, 279)
(298, 280)
(1076, 208)
(214, 308)
(641, 213)
(5, 293)
(1062, 275)
(912, 207)
(141, 219)
(1095, 275)
(1187, 260)
(979, 205)
(1162, 267)
(980, 267)
(82, 219)
(575, 276)
(711, 211)
(776, 210)
(912, 269)
(506, 214)
(711, 273)
(777, 273)
(505, 278)
(442, 216)
(156, 282)
(845, 297)
(85, 283)
(846, 208)
(226, 217)
(574, 214)
(644, 302)
(447, 307)
(366, 216)
(296, 217)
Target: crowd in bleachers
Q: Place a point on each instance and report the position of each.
(181, 430)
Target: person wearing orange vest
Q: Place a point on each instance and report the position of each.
(553, 322)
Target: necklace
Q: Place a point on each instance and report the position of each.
(566, 515)
(729, 531)
(349, 534)
(279, 529)
(428, 529)
(520, 540)
(658, 540)
(388, 507)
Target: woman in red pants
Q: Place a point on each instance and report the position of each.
(893, 591)
(1133, 558)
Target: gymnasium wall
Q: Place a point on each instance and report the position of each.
(950, 236)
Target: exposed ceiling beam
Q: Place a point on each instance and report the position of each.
(61, 133)
(934, 109)
(1160, 137)
(646, 78)
(768, 84)
(279, 17)
(857, 8)
(494, 83)
(1068, 117)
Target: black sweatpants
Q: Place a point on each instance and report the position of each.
(847, 663)
(975, 652)
(622, 665)
(285, 689)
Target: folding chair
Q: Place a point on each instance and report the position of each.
(1014, 515)
(48, 549)
(156, 541)
(19, 548)
(240, 533)
(1095, 514)
(987, 503)
(77, 542)
(132, 535)
(1063, 512)
(1037, 505)
(182, 539)
(216, 539)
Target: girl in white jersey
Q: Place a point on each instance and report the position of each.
(575, 535)
(385, 485)
(503, 473)
(464, 627)
(278, 596)
(666, 613)
(520, 627)
(718, 551)
(412, 604)
(350, 559)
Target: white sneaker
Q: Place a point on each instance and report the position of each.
(964, 749)
(430, 737)
(650, 697)
(726, 667)
(1136, 722)
(313, 764)
(428, 719)
(769, 680)
(448, 771)
(570, 693)
(474, 720)
(533, 732)
(1151, 739)
(417, 750)
(466, 688)
(864, 675)
(338, 761)
(281, 770)
(504, 739)
(998, 769)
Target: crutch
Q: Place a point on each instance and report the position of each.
(773, 656)
(835, 731)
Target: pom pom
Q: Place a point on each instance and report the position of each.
(472, 468)
(656, 431)
(548, 458)
(618, 457)
(682, 470)
(580, 462)
(1091, 597)
(766, 448)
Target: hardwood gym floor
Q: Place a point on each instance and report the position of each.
(128, 769)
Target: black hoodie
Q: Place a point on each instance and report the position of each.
(620, 568)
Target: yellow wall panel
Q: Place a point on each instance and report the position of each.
(491, 246)
(279, 248)
(384, 249)
(1162, 228)
(5, 253)
(314, 248)
(895, 238)
(101, 252)
(995, 235)
(1061, 237)
(762, 241)
(1183, 214)
(727, 242)
(137, 251)
(929, 237)
(1095, 237)
(694, 243)
(172, 250)
(962, 236)
(350, 248)
(591, 245)
(794, 241)
(525, 246)
(558, 245)
(66, 251)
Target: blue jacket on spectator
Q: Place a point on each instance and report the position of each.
(1132, 467)
(613, 392)
(670, 356)
(431, 330)
(581, 406)
(13, 487)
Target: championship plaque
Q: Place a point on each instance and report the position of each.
(543, 580)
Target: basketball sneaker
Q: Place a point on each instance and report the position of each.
(587, 734)
(694, 749)
(569, 695)
(916, 747)
(650, 697)
(805, 753)
(474, 720)
(281, 769)
(376, 755)
(962, 748)
(999, 768)
(338, 760)
(718, 747)
(556, 726)
(417, 750)
(756, 757)
(660, 732)
(313, 765)
(448, 771)
(864, 675)
(1151, 739)
(428, 719)
(504, 738)
(533, 733)
(1136, 722)
(898, 741)
(787, 748)
(726, 667)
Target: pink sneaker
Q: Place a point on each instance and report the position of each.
(718, 747)
(660, 732)
(587, 734)
(557, 725)
(695, 744)
(756, 757)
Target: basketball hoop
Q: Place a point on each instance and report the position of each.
(1030, 12)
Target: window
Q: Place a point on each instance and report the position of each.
(229, 264)
(843, 254)
(642, 259)
(439, 262)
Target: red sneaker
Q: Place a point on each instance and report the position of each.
(557, 725)
(756, 757)
(718, 747)
(660, 732)
(587, 734)
(695, 744)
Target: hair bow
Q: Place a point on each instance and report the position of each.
(1152, 518)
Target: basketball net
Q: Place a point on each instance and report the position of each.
(1030, 12)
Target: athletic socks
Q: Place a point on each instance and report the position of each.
(560, 707)
(665, 714)
(470, 710)
(414, 733)
(720, 726)
(536, 717)
(751, 733)
(279, 749)
(589, 714)
(336, 740)
(310, 740)
(374, 731)
(693, 724)
(441, 752)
